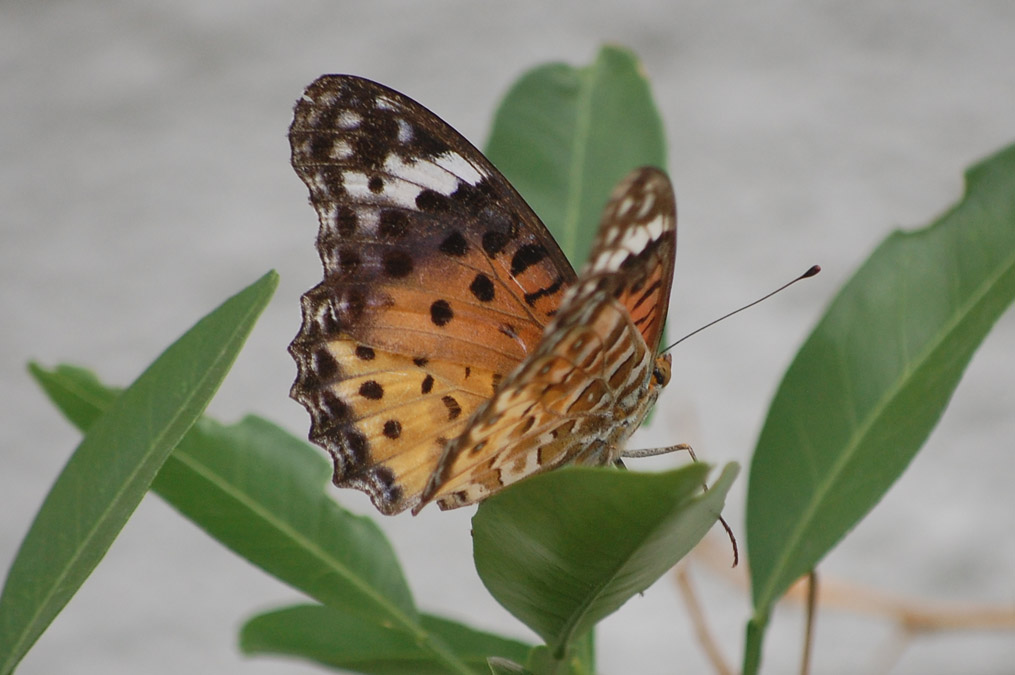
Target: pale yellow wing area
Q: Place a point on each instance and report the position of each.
(385, 418)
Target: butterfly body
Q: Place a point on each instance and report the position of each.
(451, 349)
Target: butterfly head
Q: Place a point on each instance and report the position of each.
(661, 371)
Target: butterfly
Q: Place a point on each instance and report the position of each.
(451, 349)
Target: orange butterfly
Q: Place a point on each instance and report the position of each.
(450, 349)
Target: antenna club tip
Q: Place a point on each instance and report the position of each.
(811, 272)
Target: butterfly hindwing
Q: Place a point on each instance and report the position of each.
(590, 382)
(636, 247)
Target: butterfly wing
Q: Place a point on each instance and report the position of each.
(438, 280)
(590, 382)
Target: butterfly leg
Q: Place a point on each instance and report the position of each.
(652, 452)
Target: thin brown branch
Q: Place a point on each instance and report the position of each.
(912, 615)
(701, 630)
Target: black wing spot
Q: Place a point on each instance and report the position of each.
(392, 429)
(531, 298)
(525, 257)
(427, 385)
(454, 409)
(454, 244)
(440, 313)
(376, 185)
(430, 201)
(364, 353)
(494, 242)
(482, 288)
(372, 390)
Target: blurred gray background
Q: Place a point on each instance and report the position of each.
(144, 176)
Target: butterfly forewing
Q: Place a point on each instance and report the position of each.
(438, 280)
(590, 382)
(427, 249)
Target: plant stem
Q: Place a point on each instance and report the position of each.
(752, 644)
(812, 602)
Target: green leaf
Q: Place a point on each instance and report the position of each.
(565, 136)
(873, 379)
(564, 549)
(345, 640)
(113, 466)
(260, 491)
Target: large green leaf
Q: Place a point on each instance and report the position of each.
(873, 379)
(565, 136)
(345, 640)
(564, 549)
(111, 469)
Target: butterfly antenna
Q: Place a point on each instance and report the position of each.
(809, 273)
